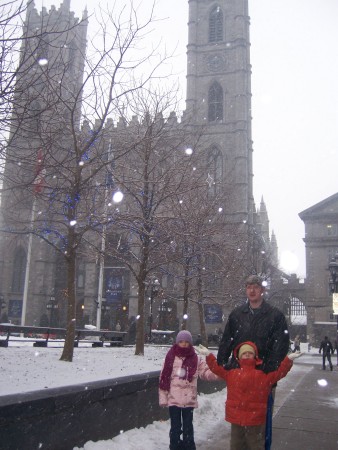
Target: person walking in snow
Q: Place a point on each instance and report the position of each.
(296, 344)
(247, 394)
(178, 389)
(327, 348)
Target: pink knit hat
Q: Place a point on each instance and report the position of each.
(184, 335)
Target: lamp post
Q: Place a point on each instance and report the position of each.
(164, 310)
(155, 287)
(2, 306)
(333, 283)
(106, 311)
(52, 306)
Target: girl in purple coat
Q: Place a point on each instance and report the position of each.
(178, 389)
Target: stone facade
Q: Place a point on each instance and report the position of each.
(218, 105)
(321, 245)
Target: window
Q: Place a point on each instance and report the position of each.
(216, 25)
(19, 271)
(215, 103)
(297, 307)
(331, 229)
(42, 49)
(215, 169)
(332, 254)
(35, 117)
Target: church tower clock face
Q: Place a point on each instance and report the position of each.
(215, 63)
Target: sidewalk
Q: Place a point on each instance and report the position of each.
(306, 407)
(305, 413)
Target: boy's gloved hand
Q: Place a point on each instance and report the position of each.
(202, 350)
(295, 355)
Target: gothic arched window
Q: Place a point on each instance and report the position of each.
(215, 169)
(216, 25)
(42, 49)
(35, 117)
(215, 103)
(19, 270)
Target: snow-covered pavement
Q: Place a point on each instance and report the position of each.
(28, 369)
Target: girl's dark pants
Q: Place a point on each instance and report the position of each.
(181, 419)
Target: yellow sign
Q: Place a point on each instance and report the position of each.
(335, 303)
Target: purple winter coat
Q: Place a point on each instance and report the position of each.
(183, 393)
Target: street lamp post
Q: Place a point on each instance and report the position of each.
(164, 310)
(333, 283)
(155, 287)
(52, 306)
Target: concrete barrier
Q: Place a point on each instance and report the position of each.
(62, 418)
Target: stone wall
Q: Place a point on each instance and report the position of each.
(62, 418)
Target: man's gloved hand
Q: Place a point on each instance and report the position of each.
(202, 350)
(295, 355)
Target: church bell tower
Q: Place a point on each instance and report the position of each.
(219, 97)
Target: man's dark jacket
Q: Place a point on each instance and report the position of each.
(266, 327)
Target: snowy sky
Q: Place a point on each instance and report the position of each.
(29, 369)
(294, 59)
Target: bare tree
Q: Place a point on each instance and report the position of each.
(150, 176)
(55, 170)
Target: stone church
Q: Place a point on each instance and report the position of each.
(218, 104)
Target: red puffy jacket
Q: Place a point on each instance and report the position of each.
(248, 388)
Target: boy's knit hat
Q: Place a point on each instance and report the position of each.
(184, 335)
(246, 348)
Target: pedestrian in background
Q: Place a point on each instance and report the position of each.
(248, 390)
(296, 344)
(178, 389)
(327, 348)
(198, 340)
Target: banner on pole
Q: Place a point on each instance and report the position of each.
(335, 303)
(212, 313)
(15, 308)
(114, 285)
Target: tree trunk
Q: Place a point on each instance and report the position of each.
(68, 349)
(185, 298)
(200, 308)
(139, 348)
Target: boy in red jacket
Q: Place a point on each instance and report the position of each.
(247, 394)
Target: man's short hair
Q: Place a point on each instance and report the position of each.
(254, 279)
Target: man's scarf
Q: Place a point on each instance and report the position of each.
(189, 365)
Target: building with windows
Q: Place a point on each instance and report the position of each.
(218, 108)
(321, 247)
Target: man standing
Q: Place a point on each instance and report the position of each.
(259, 322)
(327, 348)
(263, 324)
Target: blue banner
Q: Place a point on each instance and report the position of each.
(15, 308)
(213, 313)
(114, 284)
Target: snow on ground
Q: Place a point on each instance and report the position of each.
(28, 368)
(208, 423)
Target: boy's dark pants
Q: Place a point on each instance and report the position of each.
(181, 419)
